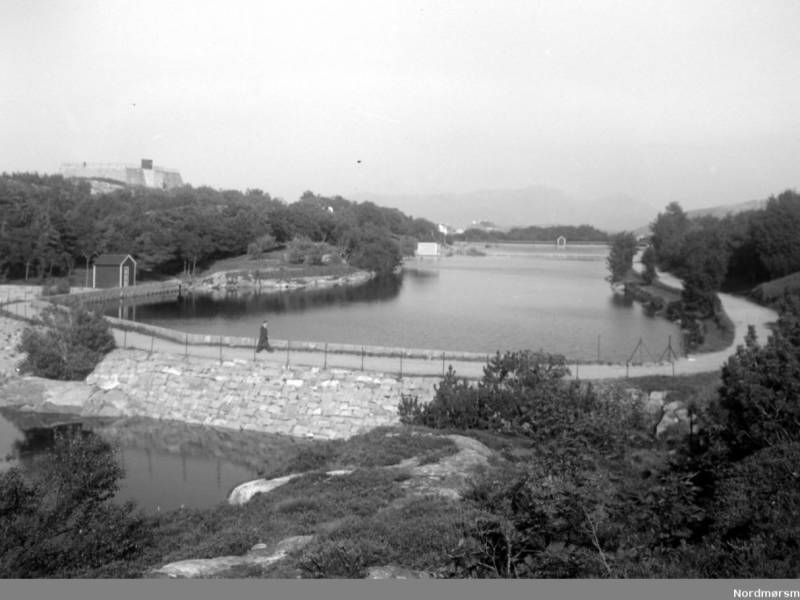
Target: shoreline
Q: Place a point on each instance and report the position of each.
(302, 384)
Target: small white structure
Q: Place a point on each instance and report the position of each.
(561, 241)
(428, 250)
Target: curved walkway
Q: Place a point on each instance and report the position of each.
(742, 313)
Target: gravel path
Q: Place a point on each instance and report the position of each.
(742, 313)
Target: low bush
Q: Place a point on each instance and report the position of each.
(421, 535)
(66, 344)
(55, 287)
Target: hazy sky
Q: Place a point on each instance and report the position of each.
(689, 100)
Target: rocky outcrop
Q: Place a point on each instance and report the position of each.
(259, 555)
(250, 280)
(243, 493)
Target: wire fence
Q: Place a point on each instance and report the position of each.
(395, 361)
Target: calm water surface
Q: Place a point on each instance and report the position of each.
(517, 297)
(167, 464)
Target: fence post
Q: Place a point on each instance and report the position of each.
(626, 369)
(220, 349)
(362, 357)
(255, 349)
(288, 345)
(442, 364)
(401, 363)
(124, 339)
(186, 345)
(576, 371)
(152, 339)
(325, 359)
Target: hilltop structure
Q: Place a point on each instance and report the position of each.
(145, 175)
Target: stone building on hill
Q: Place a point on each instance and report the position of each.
(145, 175)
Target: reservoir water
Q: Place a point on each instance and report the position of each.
(518, 296)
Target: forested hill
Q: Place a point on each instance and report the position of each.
(734, 252)
(49, 225)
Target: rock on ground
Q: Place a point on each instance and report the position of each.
(259, 555)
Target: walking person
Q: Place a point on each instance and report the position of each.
(263, 338)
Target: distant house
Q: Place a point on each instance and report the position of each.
(561, 241)
(113, 270)
(427, 250)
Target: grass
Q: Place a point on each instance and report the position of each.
(379, 447)
(771, 291)
(418, 536)
(301, 507)
(719, 333)
(274, 266)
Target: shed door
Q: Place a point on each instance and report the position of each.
(126, 276)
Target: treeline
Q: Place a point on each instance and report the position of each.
(49, 225)
(735, 252)
(581, 233)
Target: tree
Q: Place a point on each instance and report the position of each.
(760, 391)
(669, 232)
(620, 257)
(57, 519)
(649, 263)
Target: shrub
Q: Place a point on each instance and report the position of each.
(55, 287)
(261, 246)
(68, 344)
(57, 519)
(304, 251)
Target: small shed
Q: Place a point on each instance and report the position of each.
(427, 249)
(561, 241)
(113, 270)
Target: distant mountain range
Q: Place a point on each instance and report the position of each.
(536, 205)
(539, 205)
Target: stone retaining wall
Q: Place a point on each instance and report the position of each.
(297, 401)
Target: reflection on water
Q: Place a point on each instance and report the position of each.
(514, 298)
(167, 464)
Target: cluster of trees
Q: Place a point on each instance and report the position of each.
(734, 252)
(49, 225)
(620, 256)
(583, 504)
(580, 233)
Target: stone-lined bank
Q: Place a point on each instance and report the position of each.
(239, 394)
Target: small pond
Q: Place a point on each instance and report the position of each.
(167, 464)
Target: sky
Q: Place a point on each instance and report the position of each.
(695, 101)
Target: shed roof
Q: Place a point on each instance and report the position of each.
(112, 259)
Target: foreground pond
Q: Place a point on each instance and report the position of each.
(167, 464)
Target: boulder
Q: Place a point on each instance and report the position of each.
(259, 555)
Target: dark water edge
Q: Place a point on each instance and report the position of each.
(168, 464)
(528, 299)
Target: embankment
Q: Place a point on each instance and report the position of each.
(240, 394)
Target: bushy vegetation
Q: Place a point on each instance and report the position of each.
(51, 224)
(57, 518)
(620, 256)
(584, 501)
(67, 343)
